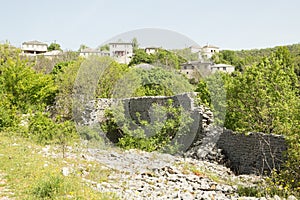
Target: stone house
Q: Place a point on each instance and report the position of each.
(197, 69)
(208, 51)
(95, 52)
(121, 51)
(222, 67)
(151, 50)
(34, 47)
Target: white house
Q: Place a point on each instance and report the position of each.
(89, 52)
(121, 51)
(34, 47)
(208, 51)
(222, 67)
(151, 50)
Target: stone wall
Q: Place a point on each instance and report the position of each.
(252, 153)
(244, 154)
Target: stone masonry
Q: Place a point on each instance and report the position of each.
(256, 153)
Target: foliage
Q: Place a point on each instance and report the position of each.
(140, 56)
(167, 122)
(203, 95)
(104, 47)
(244, 58)
(187, 54)
(265, 98)
(135, 44)
(162, 58)
(82, 47)
(168, 59)
(24, 87)
(54, 46)
(212, 92)
(44, 130)
(229, 57)
(262, 98)
(45, 64)
(64, 75)
(109, 77)
(151, 82)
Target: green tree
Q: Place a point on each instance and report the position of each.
(24, 87)
(140, 56)
(54, 46)
(263, 98)
(82, 47)
(151, 82)
(135, 44)
(104, 47)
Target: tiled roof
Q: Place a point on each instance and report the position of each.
(35, 42)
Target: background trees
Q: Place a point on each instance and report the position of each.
(54, 46)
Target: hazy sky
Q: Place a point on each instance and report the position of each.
(229, 24)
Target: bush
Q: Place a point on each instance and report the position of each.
(50, 187)
(46, 131)
(167, 122)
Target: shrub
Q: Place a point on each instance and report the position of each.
(167, 122)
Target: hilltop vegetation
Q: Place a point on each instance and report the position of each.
(262, 95)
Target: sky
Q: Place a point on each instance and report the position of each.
(228, 24)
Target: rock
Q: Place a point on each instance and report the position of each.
(65, 171)
(291, 197)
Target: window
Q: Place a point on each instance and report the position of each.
(224, 68)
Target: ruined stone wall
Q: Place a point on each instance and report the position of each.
(244, 154)
(252, 153)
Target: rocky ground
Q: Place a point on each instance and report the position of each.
(141, 175)
(135, 174)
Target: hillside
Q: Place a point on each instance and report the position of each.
(30, 171)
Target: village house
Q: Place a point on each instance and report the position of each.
(34, 48)
(208, 51)
(222, 67)
(95, 52)
(196, 69)
(151, 50)
(121, 51)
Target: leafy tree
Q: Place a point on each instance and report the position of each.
(54, 46)
(140, 56)
(153, 82)
(162, 58)
(262, 98)
(64, 75)
(135, 44)
(109, 78)
(82, 47)
(104, 47)
(167, 121)
(265, 98)
(24, 87)
(187, 54)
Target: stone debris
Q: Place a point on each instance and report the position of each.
(143, 175)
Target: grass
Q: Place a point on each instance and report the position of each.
(28, 174)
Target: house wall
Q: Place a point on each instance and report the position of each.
(126, 50)
(34, 48)
(209, 51)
